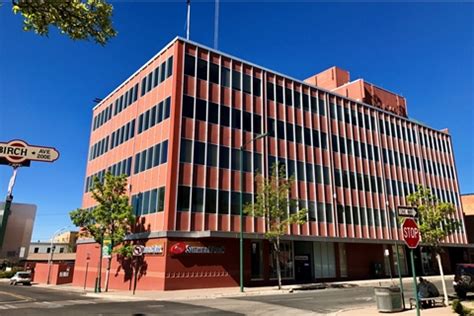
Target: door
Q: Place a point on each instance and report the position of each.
(303, 268)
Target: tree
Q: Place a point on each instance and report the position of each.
(112, 219)
(434, 224)
(272, 201)
(78, 19)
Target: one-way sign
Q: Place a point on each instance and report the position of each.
(407, 211)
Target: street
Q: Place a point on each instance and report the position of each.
(35, 300)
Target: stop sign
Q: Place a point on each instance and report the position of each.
(411, 233)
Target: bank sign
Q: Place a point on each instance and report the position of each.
(19, 152)
(195, 248)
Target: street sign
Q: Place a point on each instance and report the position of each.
(407, 211)
(138, 251)
(411, 233)
(17, 152)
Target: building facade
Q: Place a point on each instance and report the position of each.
(175, 128)
(18, 232)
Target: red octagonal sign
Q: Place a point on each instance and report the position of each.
(411, 233)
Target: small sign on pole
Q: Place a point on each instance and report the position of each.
(407, 211)
(138, 251)
(18, 151)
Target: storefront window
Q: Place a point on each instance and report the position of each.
(286, 261)
(256, 258)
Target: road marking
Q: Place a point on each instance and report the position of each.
(20, 297)
(156, 306)
(8, 306)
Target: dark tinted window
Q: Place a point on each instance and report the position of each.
(247, 83)
(189, 65)
(198, 200)
(236, 118)
(214, 73)
(213, 113)
(202, 69)
(225, 77)
(188, 107)
(225, 116)
(199, 153)
(256, 87)
(235, 80)
(200, 109)
(183, 198)
(224, 157)
(270, 92)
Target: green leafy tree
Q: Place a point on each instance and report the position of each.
(78, 19)
(112, 219)
(272, 201)
(434, 223)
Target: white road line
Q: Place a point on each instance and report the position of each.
(8, 306)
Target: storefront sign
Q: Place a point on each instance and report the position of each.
(188, 248)
(157, 249)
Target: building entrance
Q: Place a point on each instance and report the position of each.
(303, 268)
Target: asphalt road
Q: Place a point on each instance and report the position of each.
(34, 300)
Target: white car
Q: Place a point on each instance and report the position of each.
(22, 277)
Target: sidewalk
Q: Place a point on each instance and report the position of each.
(372, 311)
(210, 293)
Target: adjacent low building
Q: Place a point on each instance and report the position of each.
(175, 128)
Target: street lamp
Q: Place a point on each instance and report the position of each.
(242, 207)
(52, 247)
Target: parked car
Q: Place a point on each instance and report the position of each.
(464, 279)
(22, 277)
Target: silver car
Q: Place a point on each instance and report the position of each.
(21, 277)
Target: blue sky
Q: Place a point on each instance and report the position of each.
(423, 51)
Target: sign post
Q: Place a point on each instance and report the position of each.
(137, 255)
(411, 236)
(18, 153)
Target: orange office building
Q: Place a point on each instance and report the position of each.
(175, 128)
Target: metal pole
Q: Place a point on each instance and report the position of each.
(50, 260)
(216, 25)
(400, 275)
(414, 283)
(8, 203)
(136, 275)
(188, 18)
(241, 221)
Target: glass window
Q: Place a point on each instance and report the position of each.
(156, 155)
(225, 77)
(288, 97)
(201, 110)
(146, 203)
(224, 157)
(257, 124)
(256, 86)
(153, 200)
(286, 261)
(279, 94)
(167, 108)
(225, 116)
(298, 100)
(198, 200)
(186, 150)
(247, 84)
(235, 159)
(169, 67)
(188, 108)
(183, 198)
(223, 202)
(211, 196)
(256, 260)
(202, 69)
(235, 203)
(236, 80)
(247, 123)
(212, 155)
(149, 163)
(214, 73)
(213, 113)
(199, 153)
(236, 118)
(161, 199)
(189, 64)
(270, 91)
(164, 152)
(163, 71)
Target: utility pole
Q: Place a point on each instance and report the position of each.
(188, 18)
(8, 203)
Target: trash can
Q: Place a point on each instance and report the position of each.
(388, 298)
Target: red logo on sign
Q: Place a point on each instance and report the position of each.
(411, 233)
(178, 248)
